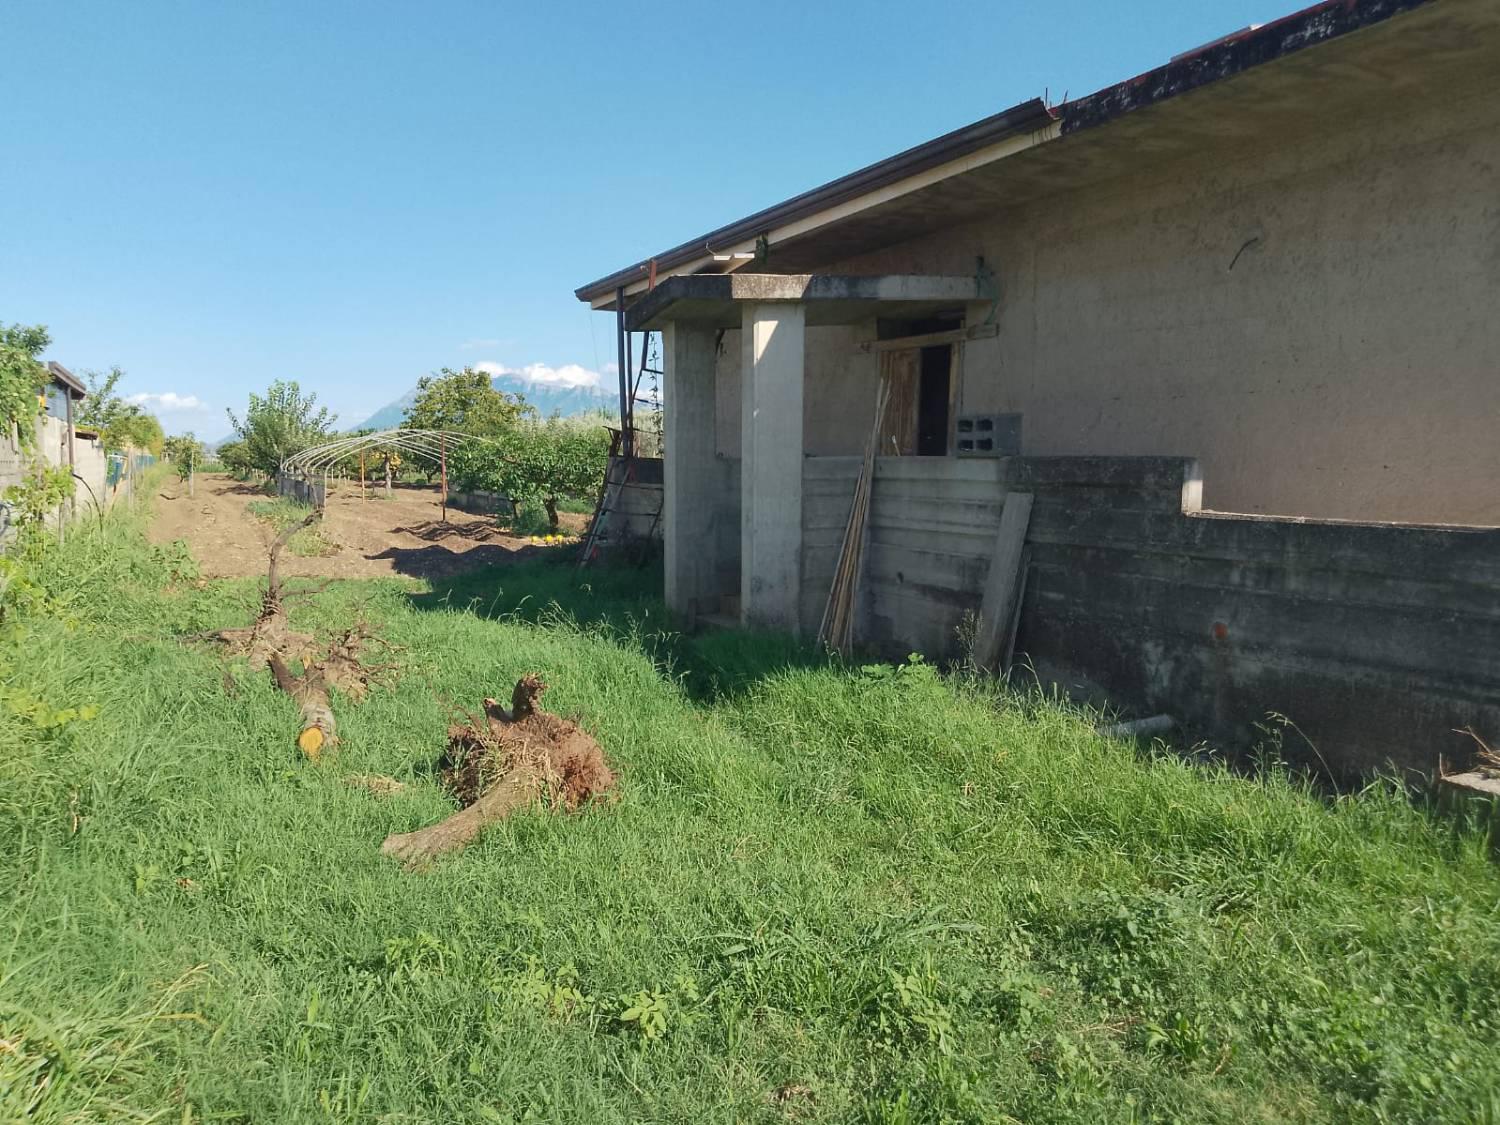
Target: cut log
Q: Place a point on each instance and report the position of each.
(318, 731)
(415, 849)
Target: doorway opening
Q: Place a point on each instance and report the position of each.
(923, 390)
(934, 393)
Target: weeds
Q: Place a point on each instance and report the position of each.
(826, 894)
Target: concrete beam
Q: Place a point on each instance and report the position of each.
(717, 299)
(773, 339)
(690, 475)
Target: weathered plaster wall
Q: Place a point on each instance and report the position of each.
(838, 400)
(52, 447)
(1313, 316)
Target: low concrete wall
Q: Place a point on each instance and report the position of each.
(1378, 641)
(635, 499)
(482, 503)
(303, 490)
(90, 465)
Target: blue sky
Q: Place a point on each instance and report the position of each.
(215, 195)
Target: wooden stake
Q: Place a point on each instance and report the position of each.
(841, 612)
(1000, 587)
(443, 466)
(362, 494)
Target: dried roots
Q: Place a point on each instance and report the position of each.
(271, 642)
(504, 761)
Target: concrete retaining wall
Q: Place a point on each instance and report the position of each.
(482, 503)
(303, 490)
(1378, 641)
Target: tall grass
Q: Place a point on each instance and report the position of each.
(826, 893)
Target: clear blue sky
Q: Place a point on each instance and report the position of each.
(214, 195)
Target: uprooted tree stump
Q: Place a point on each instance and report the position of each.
(271, 641)
(271, 634)
(344, 667)
(507, 761)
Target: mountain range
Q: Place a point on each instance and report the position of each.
(547, 398)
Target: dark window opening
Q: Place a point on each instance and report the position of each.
(933, 396)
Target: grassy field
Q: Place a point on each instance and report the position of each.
(826, 894)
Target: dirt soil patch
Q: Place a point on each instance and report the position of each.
(373, 537)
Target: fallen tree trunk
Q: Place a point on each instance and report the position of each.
(507, 761)
(270, 641)
(310, 690)
(270, 634)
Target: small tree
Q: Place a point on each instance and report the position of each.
(536, 462)
(186, 453)
(120, 424)
(278, 424)
(465, 401)
(22, 376)
(235, 457)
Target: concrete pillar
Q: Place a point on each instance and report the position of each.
(771, 468)
(690, 481)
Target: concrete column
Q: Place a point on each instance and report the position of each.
(690, 482)
(771, 468)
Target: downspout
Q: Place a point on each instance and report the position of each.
(72, 457)
(627, 439)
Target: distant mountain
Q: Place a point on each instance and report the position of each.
(547, 398)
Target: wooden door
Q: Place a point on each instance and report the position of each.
(900, 371)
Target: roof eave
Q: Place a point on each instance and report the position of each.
(62, 375)
(1026, 117)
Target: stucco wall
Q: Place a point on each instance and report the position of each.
(838, 398)
(1347, 366)
(52, 447)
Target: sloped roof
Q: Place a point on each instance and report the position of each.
(61, 374)
(972, 152)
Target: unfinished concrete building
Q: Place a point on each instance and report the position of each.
(1231, 323)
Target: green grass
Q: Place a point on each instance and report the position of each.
(284, 511)
(825, 894)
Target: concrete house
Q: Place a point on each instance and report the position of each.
(1232, 322)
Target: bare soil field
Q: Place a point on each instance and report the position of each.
(370, 537)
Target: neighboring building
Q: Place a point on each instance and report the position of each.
(1278, 255)
(63, 393)
(58, 442)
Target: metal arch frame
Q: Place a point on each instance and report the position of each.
(427, 443)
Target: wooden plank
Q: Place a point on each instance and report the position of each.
(1000, 587)
(955, 395)
(931, 339)
(898, 428)
(1008, 657)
